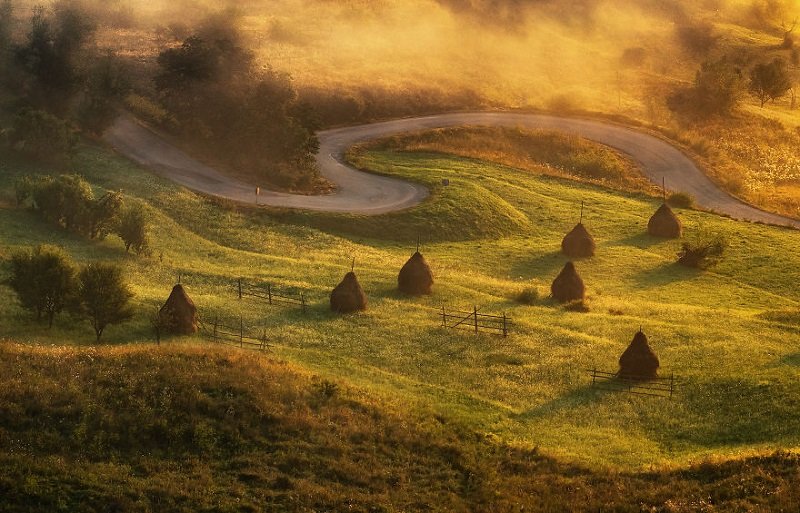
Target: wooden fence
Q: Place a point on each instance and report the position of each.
(657, 387)
(235, 334)
(475, 321)
(271, 296)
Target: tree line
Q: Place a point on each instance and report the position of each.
(69, 202)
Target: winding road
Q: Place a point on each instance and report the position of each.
(364, 193)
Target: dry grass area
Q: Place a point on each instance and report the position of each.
(193, 428)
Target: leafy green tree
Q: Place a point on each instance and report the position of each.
(51, 52)
(104, 214)
(42, 136)
(66, 200)
(106, 84)
(718, 89)
(104, 296)
(132, 229)
(719, 86)
(44, 280)
(770, 80)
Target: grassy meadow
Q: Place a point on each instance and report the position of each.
(730, 335)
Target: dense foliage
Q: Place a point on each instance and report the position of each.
(248, 116)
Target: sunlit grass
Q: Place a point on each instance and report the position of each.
(737, 366)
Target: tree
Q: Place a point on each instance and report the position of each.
(104, 214)
(51, 53)
(44, 280)
(132, 229)
(770, 80)
(104, 297)
(6, 25)
(66, 200)
(40, 135)
(717, 90)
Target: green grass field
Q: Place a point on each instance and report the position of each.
(730, 335)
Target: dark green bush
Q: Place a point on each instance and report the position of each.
(702, 252)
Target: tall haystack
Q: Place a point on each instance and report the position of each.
(178, 315)
(415, 278)
(568, 285)
(578, 243)
(348, 296)
(638, 361)
(665, 223)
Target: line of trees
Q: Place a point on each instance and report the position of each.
(47, 282)
(68, 201)
(720, 85)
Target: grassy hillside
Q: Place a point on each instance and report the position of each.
(730, 335)
(193, 428)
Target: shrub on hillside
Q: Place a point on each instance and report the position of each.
(528, 296)
(44, 281)
(718, 88)
(703, 251)
(681, 200)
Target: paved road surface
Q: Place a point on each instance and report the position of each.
(364, 193)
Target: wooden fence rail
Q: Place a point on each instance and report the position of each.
(612, 382)
(237, 335)
(268, 294)
(475, 321)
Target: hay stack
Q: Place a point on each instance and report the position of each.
(178, 315)
(578, 243)
(348, 296)
(568, 285)
(638, 361)
(665, 223)
(415, 278)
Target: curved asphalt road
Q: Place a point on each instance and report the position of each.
(363, 193)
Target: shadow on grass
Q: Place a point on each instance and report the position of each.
(545, 266)
(642, 240)
(792, 360)
(573, 399)
(665, 274)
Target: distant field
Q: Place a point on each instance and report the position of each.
(730, 335)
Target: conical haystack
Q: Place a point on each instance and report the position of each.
(578, 243)
(178, 315)
(568, 285)
(348, 296)
(665, 223)
(415, 277)
(638, 361)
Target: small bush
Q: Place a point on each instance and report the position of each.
(324, 390)
(579, 306)
(703, 251)
(132, 229)
(681, 200)
(528, 296)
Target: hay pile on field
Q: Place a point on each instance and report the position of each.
(178, 315)
(415, 276)
(578, 243)
(348, 296)
(568, 285)
(665, 223)
(638, 361)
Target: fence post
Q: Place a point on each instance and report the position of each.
(594, 375)
(264, 340)
(475, 313)
(505, 325)
(671, 384)
(216, 323)
(303, 302)
(241, 332)
(158, 326)
(269, 293)
(240, 288)
(444, 318)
